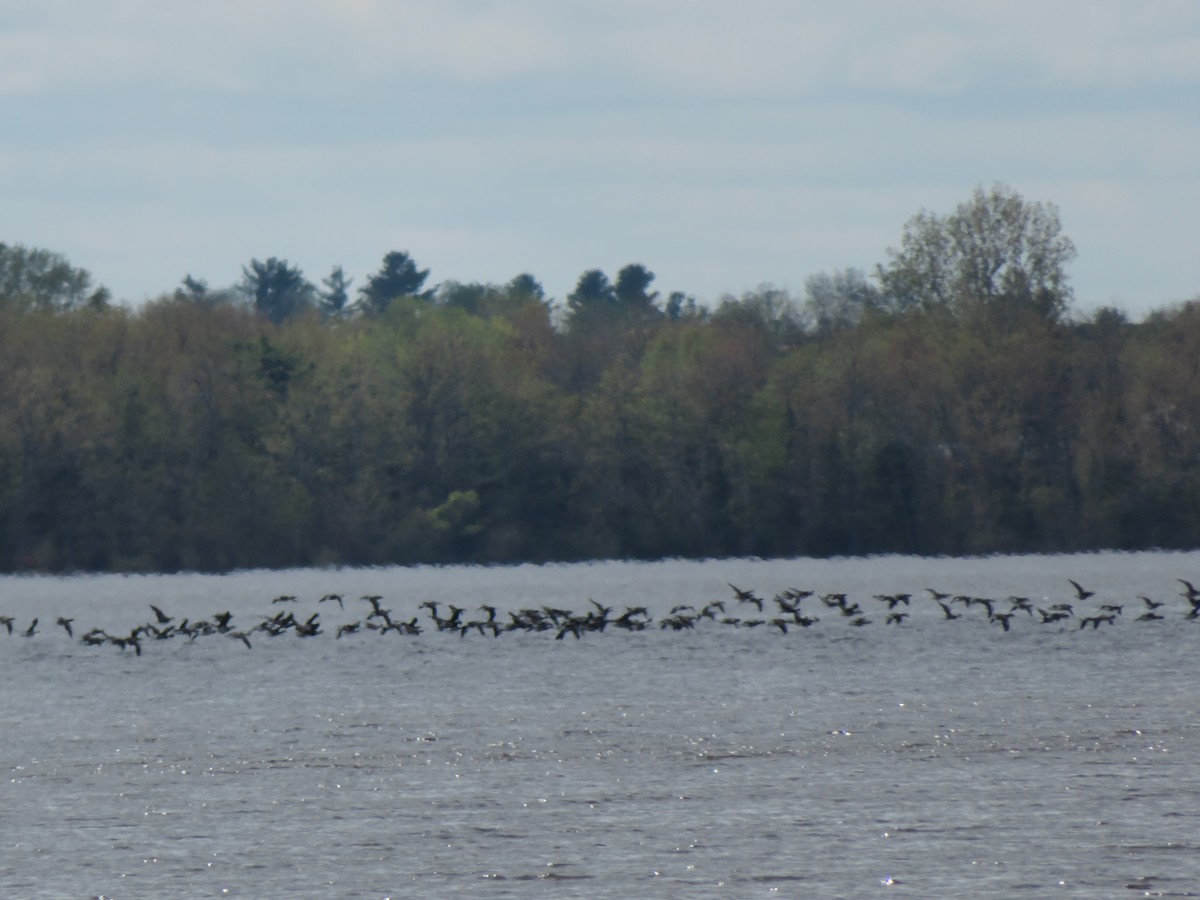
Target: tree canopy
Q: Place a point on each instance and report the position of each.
(951, 404)
(397, 277)
(277, 289)
(996, 251)
(35, 279)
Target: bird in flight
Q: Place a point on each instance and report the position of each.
(1080, 592)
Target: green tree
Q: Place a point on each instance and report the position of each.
(997, 252)
(632, 292)
(839, 299)
(597, 303)
(36, 279)
(592, 300)
(335, 299)
(397, 277)
(277, 289)
(768, 310)
(194, 289)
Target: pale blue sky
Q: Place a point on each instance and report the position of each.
(723, 145)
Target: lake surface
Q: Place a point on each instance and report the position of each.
(929, 758)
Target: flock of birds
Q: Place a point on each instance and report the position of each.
(782, 613)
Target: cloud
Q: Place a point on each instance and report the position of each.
(721, 144)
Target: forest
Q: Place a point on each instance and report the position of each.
(949, 402)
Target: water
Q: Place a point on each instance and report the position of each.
(933, 758)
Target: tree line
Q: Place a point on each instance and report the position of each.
(949, 402)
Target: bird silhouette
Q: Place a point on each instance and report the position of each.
(747, 596)
(1080, 592)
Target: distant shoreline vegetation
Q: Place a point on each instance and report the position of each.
(947, 404)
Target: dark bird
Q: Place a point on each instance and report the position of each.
(796, 594)
(126, 642)
(938, 595)
(285, 598)
(330, 597)
(1149, 617)
(787, 605)
(1150, 604)
(573, 626)
(947, 612)
(747, 597)
(374, 599)
(895, 618)
(7, 622)
(31, 630)
(677, 622)
(635, 618)
(985, 602)
(162, 617)
(1080, 592)
(1005, 619)
(66, 623)
(1022, 603)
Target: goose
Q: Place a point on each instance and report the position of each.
(1022, 603)
(746, 596)
(374, 599)
(1080, 592)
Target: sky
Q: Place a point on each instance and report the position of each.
(722, 145)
